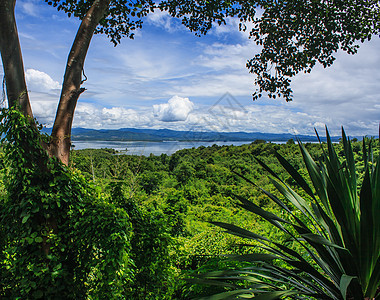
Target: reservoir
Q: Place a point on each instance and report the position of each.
(146, 148)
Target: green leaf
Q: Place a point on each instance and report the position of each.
(250, 206)
(295, 175)
(320, 240)
(345, 281)
(239, 231)
(25, 219)
(316, 177)
(38, 239)
(253, 257)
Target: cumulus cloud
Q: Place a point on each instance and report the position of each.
(38, 81)
(270, 118)
(177, 109)
(90, 116)
(44, 106)
(44, 95)
(345, 94)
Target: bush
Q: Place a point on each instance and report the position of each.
(59, 239)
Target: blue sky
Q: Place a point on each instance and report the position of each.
(168, 78)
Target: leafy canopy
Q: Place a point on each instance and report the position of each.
(124, 16)
(297, 34)
(294, 35)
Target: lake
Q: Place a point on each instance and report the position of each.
(146, 148)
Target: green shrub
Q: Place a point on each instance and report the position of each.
(59, 238)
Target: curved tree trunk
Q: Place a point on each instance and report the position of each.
(71, 88)
(17, 93)
(12, 59)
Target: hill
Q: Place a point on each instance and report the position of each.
(159, 135)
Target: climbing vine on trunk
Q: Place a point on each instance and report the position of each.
(58, 238)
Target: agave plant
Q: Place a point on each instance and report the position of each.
(336, 225)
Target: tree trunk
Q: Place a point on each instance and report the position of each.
(71, 88)
(12, 59)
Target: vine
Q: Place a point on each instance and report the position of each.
(59, 239)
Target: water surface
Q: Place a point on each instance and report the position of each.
(146, 148)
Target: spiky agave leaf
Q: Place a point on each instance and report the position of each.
(339, 232)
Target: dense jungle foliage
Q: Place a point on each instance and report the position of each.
(163, 206)
(188, 189)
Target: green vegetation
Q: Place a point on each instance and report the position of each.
(114, 227)
(333, 230)
(134, 227)
(60, 239)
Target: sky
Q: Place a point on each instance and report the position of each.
(168, 78)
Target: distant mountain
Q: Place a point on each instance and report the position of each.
(159, 135)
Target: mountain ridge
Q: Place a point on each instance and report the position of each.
(160, 135)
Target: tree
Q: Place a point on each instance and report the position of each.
(116, 19)
(59, 239)
(294, 36)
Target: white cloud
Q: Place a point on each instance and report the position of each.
(91, 116)
(145, 66)
(164, 20)
(44, 95)
(231, 27)
(215, 85)
(220, 56)
(346, 94)
(270, 118)
(30, 8)
(27, 36)
(38, 81)
(220, 69)
(44, 107)
(177, 109)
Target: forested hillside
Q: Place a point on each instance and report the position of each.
(171, 199)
